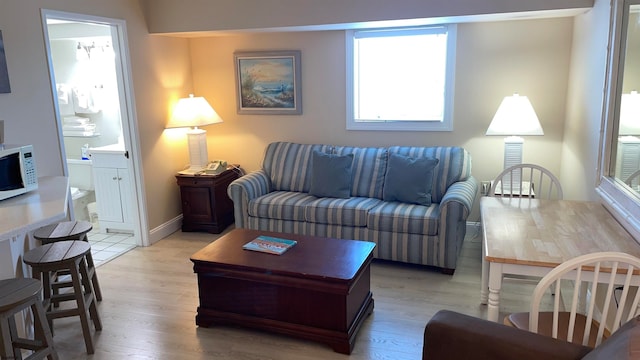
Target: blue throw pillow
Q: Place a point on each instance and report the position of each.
(331, 175)
(409, 179)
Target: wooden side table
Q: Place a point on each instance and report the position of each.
(205, 203)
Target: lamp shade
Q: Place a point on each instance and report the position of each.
(630, 114)
(193, 112)
(515, 116)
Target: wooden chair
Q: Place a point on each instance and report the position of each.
(528, 180)
(70, 230)
(595, 295)
(69, 256)
(16, 296)
(633, 181)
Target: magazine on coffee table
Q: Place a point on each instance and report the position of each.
(270, 245)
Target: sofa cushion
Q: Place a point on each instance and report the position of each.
(330, 175)
(344, 212)
(282, 205)
(409, 179)
(454, 165)
(288, 165)
(404, 218)
(368, 169)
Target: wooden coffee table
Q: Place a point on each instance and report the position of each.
(317, 290)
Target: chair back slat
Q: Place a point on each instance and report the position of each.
(529, 180)
(599, 276)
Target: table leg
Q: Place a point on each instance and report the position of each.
(495, 283)
(484, 283)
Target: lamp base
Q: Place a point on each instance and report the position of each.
(513, 151)
(513, 156)
(198, 156)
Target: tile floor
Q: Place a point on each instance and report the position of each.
(106, 247)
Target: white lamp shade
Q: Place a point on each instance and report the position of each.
(515, 116)
(630, 114)
(193, 112)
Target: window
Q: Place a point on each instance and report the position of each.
(401, 78)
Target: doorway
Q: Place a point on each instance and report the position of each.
(93, 96)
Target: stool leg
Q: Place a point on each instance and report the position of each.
(82, 307)
(94, 277)
(45, 278)
(6, 347)
(93, 309)
(13, 331)
(42, 330)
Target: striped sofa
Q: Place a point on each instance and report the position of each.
(276, 198)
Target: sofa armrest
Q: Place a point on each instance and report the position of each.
(455, 207)
(462, 193)
(242, 190)
(451, 335)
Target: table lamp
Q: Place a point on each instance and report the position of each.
(515, 117)
(628, 157)
(630, 114)
(194, 112)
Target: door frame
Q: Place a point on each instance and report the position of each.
(127, 108)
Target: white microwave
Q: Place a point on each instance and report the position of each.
(17, 170)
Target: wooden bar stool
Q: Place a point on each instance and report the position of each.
(70, 230)
(17, 295)
(69, 255)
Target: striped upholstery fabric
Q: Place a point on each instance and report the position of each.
(348, 212)
(405, 218)
(454, 165)
(250, 186)
(281, 205)
(368, 169)
(276, 199)
(287, 165)
(285, 226)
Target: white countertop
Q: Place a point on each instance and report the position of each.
(113, 148)
(27, 212)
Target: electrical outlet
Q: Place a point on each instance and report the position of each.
(485, 187)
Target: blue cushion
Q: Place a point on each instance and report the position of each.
(330, 175)
(408, 179)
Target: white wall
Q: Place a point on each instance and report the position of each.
(160, 71)
(494, 60)
(166, 16)
(581, 143)
(534, 54)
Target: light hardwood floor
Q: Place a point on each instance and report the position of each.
(150, 298)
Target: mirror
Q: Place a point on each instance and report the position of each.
(627, 156)
(620, 150)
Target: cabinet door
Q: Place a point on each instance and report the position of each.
(126, 195)
(107, 186)
(196, 204)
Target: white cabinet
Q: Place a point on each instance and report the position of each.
(113, 185)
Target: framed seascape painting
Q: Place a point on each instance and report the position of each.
(268, 82)
(5, 88)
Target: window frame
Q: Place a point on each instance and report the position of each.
(446, 124)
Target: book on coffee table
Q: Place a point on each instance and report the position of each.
(270, 245)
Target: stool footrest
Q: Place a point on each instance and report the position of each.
(62, 297)
(61, 313)
(28, 344)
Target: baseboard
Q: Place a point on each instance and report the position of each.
(164, 230)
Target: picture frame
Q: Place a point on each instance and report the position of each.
(5, 87)
(268, 82)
